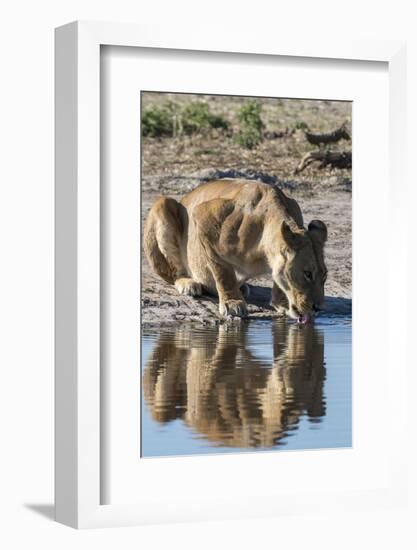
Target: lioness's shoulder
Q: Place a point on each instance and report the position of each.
(258, 194)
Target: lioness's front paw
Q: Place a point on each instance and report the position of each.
(233, 308)
(188, 287)
(281, 310)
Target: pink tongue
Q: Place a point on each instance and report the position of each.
(303, 319)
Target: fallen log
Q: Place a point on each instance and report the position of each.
(335, 159)
(325, 139)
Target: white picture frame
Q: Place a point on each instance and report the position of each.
(78, 426)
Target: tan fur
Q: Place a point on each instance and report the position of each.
(225, 232)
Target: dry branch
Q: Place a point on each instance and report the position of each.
(332, 137)
(334, 159)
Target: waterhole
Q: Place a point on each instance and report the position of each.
(251, 386)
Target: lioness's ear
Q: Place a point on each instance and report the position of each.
(293, 239)
(319, 230)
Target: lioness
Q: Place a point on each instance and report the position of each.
(225, 232)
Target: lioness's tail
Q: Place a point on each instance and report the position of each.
(161, 240)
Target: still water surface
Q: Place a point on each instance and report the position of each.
(260, 385)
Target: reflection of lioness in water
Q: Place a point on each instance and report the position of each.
(228, 395)
(225, 232)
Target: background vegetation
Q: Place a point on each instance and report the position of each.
(185, 133)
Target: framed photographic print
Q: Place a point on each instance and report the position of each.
(219, 345)
(252, 372)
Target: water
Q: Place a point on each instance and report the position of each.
(255, 386)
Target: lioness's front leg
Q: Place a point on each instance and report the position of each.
(279, 300)
(212, 244)
(231, 302)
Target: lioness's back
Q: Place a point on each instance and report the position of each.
(248, 192)
(225, 188)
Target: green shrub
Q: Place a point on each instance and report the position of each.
(251, 125)
(158, 121)
(196, 117)
(172, 120)
(249, 138)
(300, 125)
(250, 114)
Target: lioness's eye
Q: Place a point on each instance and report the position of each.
(308, 275)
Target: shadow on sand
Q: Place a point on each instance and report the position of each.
(261, 296)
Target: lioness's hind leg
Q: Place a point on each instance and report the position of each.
(163, 232)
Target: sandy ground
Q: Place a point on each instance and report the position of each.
(174, 166)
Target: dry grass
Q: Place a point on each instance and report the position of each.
(218, 148)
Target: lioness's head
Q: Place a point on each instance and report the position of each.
(300, 270)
